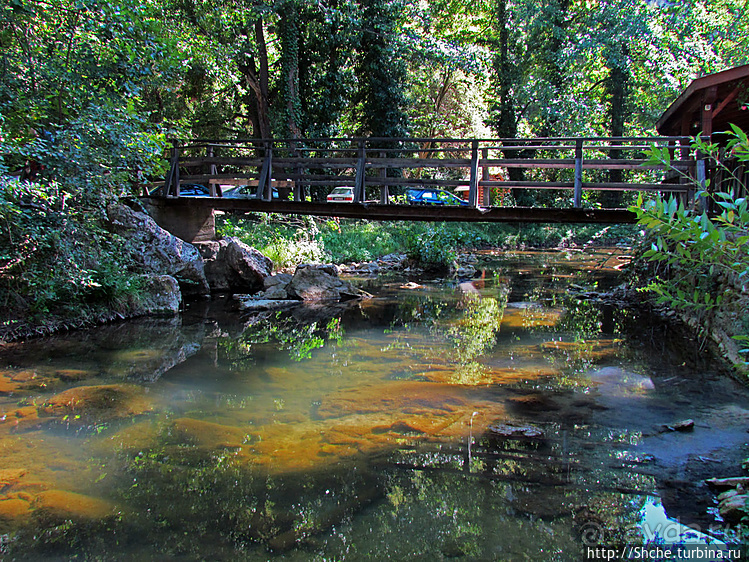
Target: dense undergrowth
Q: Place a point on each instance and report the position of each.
(695, 258)
(429, 245)
(59, 264)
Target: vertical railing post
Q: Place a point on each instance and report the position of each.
(268, 189)
(171, 186)
(473, 187)
(486, 191)
(701, 176)
(169, 179)
(211, 171)
(578, 186)
(360, 169)
(299, 172)
(264, 181)
(384, 191)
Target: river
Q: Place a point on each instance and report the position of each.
(513, 416)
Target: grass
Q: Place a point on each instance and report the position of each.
(292, 240)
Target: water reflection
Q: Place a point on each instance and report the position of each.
(495, 419)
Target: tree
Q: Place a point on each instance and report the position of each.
(380, 100)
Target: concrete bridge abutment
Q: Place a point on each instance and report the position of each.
(191, 223)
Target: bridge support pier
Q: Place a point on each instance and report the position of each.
(191, 223)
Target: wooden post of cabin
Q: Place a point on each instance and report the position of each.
(473, 186)
(360, 175)
(486, 191)
(578, 193)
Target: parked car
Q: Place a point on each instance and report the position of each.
(247, 192)
(344, 194)
(431, 196)
(187, 190)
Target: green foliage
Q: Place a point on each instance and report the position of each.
(357, 241)
(380, 100)
(72, 115)
(57, 259)
(287, 242)
(697, 253)
(291, 241)
(432, 247)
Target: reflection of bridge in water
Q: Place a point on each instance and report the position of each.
(490, 174)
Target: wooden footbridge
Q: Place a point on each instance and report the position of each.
(294, 176)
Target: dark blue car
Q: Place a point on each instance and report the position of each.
(187, 190)
(431, 196)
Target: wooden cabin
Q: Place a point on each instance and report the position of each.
(709, 106)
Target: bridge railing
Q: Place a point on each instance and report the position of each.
(481, 170)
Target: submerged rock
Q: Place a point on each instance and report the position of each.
(513, 430)
(97, 404)
(14, 510)
(10, 476)
(209, 435)
(60, 505)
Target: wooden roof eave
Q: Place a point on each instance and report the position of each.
(699, 84)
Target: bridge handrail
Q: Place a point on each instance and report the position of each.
(292, 156)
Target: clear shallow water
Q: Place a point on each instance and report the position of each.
(364, 431)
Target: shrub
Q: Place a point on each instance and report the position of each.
(698, 257)
(54, 258)
(432, 247)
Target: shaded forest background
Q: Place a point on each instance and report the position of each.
(100, 85)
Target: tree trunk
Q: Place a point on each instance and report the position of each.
(506, 121)
(288, 27)
(257, 82)
(617, 87)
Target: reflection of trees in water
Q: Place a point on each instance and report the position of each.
(221, 502)
(474, 334)
(457, 334)
(283, 331)
(221, 506)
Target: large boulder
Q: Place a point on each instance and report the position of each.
(232, 265)
(157, 251)
(315, 282)
(159, 296)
